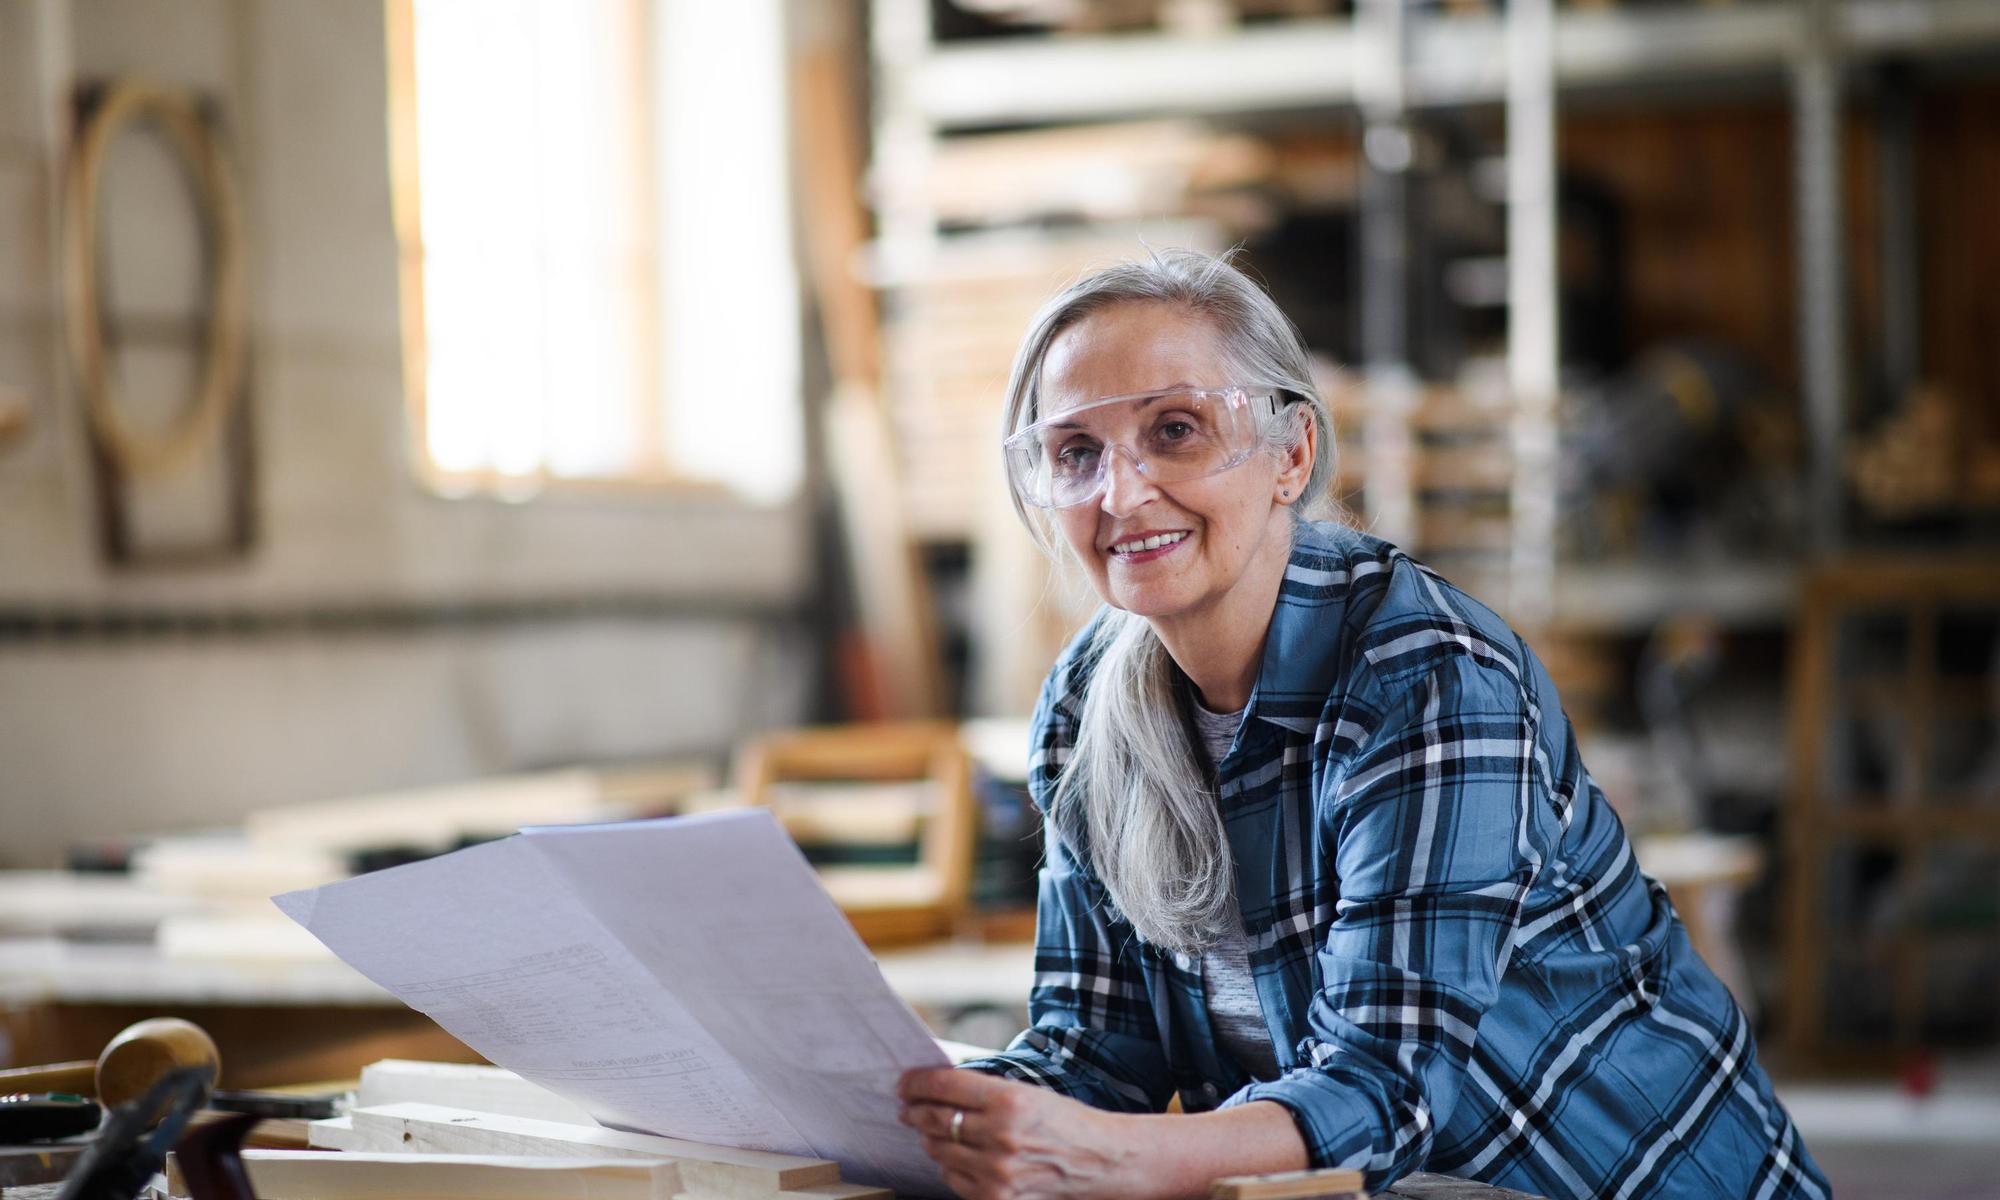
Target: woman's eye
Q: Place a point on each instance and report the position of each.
(1075, 459)
(1175, 430)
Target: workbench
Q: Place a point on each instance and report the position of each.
(279, 1022)
(274, 1023)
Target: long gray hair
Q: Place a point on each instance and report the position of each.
(1133, 790)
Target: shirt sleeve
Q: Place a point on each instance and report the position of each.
(1440, 823)
(1092, 1033)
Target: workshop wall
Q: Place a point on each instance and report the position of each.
(375, 635)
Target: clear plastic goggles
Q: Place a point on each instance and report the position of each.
(1169, 436)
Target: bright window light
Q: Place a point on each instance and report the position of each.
(592, 197)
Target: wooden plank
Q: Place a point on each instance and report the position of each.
(1289, 1185)
(897, 670)
(315, 1175)
(1812, 670)
(719, 1171)
(334, 1133)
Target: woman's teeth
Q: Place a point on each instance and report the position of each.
(1152, 543)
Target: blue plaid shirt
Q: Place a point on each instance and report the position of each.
(1461, 967)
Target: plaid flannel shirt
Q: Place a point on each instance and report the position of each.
(1461, 967)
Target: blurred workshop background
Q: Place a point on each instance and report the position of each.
(423, 418)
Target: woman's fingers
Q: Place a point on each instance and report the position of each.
(935, 1121)
(948, 1085)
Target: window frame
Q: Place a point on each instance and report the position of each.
(655, 477)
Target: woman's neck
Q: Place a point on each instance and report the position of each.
(1220, 647)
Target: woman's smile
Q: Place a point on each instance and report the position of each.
(1147, 547)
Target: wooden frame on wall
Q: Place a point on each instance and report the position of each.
(128, 463)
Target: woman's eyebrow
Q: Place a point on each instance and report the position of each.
(1146, 398)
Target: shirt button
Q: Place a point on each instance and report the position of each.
(1208, 1090)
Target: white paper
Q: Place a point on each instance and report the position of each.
(686, 977)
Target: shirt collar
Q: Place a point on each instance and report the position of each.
(1303, 650)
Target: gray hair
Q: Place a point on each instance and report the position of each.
(1133, 795)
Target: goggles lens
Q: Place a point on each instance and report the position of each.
(1170, 437)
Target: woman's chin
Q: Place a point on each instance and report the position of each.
(1146, 601)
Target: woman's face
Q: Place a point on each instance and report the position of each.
(1224, 522)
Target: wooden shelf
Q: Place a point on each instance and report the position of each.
(1967, 820)
(1949, 695)
(1626, 596)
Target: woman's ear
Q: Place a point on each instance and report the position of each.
(1295, 464)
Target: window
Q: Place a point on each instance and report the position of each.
(591, 203)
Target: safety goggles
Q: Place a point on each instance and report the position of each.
(1170, 437)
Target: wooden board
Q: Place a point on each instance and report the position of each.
(478, 1087)
(313, 1175)
(718, 1171)
(896, 670)
(334, 1133)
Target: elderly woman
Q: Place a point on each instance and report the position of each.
(1322, 859)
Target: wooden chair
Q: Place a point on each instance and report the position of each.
(1889, 840)
(842, 787)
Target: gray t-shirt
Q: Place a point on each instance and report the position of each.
(1233, 1007)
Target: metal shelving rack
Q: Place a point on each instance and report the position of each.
(1393, 58)
(1455, 58)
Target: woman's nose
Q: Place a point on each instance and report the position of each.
(1126, 487)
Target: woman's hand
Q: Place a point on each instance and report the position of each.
(1016, 1141)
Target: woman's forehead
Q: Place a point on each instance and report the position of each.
(1129, 349)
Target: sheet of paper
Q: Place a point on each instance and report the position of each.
(726, 912)
(686, 977)
(488, 943)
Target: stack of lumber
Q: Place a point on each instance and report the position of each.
(951, 334)
(455, 1132)
(1132, 170)
(1453, 452)
(703, 1170)
(420, 1149)
(1914, 462)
